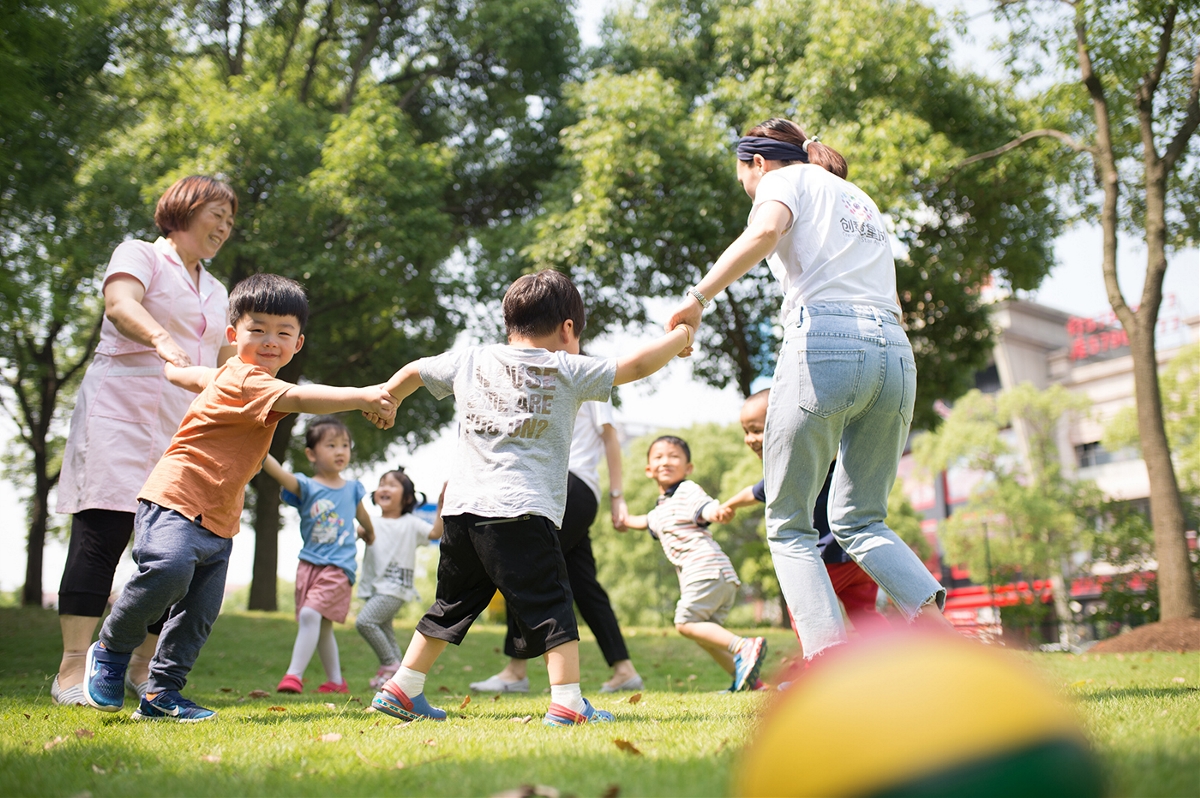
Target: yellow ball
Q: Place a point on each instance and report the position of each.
(917, 715)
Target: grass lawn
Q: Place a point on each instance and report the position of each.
(1142, 719)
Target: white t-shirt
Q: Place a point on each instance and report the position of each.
(837, 249)
(387, 567)
(587, 447)
(517, 414)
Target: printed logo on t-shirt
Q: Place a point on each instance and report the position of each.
(861, 222)
(514, 401)
(396, 575)
(327, 524)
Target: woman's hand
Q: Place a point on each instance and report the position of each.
(619, 513)
(170, 351)
(686, 312)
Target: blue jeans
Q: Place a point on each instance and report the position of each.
(181, 566)
(844, 388)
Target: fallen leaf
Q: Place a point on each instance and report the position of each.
(529, 791)
(85, 734)
(467, 668)
(496, 697)
(355, 698)
(430, 742)
(277, 709)
(330, 706)
(226, 689)
(331, 737)
(443, 689)
(1081, 682)
(495, 650)
(99, 770)
(627, 747)
(54, 742)
(611, 791)
(692, 677)
(258, 694)
(1179, 680)
(26, 714)
(211, 758)
(525, 719)
(636, 697)
(466, 700)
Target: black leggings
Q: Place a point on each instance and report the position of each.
(98, 539)
(590, 597)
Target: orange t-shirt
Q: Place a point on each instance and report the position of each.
(220, 444)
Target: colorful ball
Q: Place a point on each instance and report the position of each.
(917, 715)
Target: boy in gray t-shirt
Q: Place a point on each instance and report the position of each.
(509, 488)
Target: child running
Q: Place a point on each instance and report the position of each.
(708, 585)
(509, 491)
(328, 506)
(191, 506)
(387, 569)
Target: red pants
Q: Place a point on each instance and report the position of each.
(857, 592)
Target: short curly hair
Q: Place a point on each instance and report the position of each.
(179, 203)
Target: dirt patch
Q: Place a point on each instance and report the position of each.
(1182, 634)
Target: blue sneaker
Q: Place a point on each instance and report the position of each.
(558, 715)
(104, 678)
(170, 705)
(398, 705)
(747, 663)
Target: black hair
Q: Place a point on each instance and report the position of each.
(320, 426)
(537, 304)
(408, 499)
(674, 441)
(268, 293)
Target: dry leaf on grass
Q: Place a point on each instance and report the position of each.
(467, 668)
(226, 689)
(611, 791)
(276, 709)
(330, 706)
(26, 714)
(636, 697)
(99, 771)
(54, 742)
(443, 689)
(496, 697)
(466, 700)
(430, 742)
(1179, 680)
(211, 758)
(627, 747)
(331, 737)
(529, 791)
(258, 694)
(525, 719)
(85, 734)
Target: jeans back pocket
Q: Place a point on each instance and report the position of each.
(829, 379)
(908, 369)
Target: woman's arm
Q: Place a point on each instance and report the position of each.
(756, 242)
(123, 295)
(367, 532)
(191, 378)
(286, 479)
(654, 355)
(612, 454)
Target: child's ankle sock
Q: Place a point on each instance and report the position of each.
(410, 681)
(568, 695)
(735, 645)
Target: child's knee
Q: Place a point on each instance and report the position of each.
(361, 624)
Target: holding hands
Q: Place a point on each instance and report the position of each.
(380, 407)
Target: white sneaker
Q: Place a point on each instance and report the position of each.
(497, 685)
(71, 697)
(634, 683)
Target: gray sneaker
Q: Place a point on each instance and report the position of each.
(497, 685)
(70, 697)
(630, 685)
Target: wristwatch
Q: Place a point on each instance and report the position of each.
(699, 297)
(615, 494)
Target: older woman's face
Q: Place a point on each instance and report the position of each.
(209, 229)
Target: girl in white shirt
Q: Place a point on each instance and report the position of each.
(386, 581)
(845, 378)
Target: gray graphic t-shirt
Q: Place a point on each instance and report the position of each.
(517, 411)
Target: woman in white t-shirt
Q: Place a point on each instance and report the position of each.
(845, 379)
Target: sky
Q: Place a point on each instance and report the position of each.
(672, 398)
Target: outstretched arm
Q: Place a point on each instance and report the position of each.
(320, 399)
(277, 472)
(716, 513)
(743, 498)
(636, 522)
(367, 530)
(654, 355)
(192, 378)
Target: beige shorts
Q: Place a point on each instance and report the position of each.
(325, 588)
(705, 600)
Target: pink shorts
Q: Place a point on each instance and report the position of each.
(325, 588)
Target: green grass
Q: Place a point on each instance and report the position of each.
(1142, 722)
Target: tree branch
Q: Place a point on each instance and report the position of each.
(323, 36)
(1187, 127)
(1017, 142)
(301, 5)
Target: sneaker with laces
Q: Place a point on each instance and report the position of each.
(747, 663)
(290, 683)
(104, 678)
(495, 684)
(558, 715)
(170, 705)
(330, 687)
(398, 705)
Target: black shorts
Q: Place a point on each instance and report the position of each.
(521, 558)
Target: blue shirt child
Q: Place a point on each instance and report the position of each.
(327, 522)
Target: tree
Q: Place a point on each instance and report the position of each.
(1129, 105)
(646, 200)
(1025, 516)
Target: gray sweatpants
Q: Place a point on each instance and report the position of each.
(374, 623)
(181, 566)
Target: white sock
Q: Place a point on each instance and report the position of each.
(567, 695)
(735, 645)
(410, 681)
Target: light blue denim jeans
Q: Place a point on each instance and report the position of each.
(181, 565)
(844, 388)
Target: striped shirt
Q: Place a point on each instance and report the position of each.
(678, 523)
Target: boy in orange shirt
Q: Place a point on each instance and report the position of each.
(191, 505)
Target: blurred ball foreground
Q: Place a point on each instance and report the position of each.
(921, 716)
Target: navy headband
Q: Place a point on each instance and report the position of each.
(770, 149)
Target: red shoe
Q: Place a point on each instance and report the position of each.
(330, 687)
(290, 684)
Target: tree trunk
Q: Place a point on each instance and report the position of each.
(264, 584)
(1059, 585)
(32, 594)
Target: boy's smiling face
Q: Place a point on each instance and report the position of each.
(667, 464)
(266, 340)
(754, 422)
